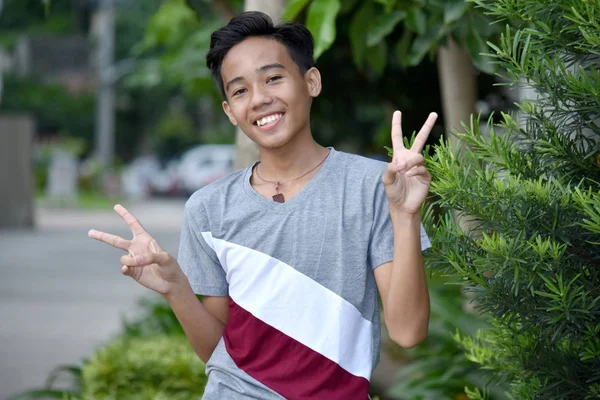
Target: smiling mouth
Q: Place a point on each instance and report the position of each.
(269, 119)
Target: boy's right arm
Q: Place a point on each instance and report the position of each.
(152, 267)
(203, 323)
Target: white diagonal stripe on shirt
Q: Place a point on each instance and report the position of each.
(296, 305)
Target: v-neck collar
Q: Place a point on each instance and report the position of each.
(299, 197)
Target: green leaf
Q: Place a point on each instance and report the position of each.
(416, 21)
(388, 4)
(321, 23)
(483, 25)
(377, 57)
(423, 44)
(347, 6)
(477, 48)
(292, 9)
(358, 40)
(494, 47)
(549, 284)
(525, 52)
(460, 29)
(454, 10)
(169, 25)
(382, 26)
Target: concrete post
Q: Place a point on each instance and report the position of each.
(105, 109)
(16, 171)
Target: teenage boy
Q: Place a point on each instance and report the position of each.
(291, 254)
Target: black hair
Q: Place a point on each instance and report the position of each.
(296, 38)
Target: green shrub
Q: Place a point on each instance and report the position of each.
(531, 188)
(157, 368)
(150, 359)
(156, 318)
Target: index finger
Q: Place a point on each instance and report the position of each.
(397, 142)
(131, 221)
(421, 139)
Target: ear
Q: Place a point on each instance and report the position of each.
(227, 110)
(313, 81)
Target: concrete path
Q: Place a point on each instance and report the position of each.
(62, 294)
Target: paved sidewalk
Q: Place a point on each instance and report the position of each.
(62, 294)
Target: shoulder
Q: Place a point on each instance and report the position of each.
(212, 196)
(360, 176)
(354, 165)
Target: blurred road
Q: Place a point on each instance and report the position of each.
(62, 294)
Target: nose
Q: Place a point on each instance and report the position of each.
(260, 97)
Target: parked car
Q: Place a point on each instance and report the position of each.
(204, 164)
(147, 175)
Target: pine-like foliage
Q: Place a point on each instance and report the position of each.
(532, 258)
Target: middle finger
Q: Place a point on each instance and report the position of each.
(113, 240)
(421, 139)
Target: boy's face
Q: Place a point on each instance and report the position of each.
(267, 96)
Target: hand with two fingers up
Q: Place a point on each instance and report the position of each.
(406, 179)
(146, 262)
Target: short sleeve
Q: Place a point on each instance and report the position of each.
(197, 259)
(381, 247)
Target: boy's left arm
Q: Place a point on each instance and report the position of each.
(402, 283)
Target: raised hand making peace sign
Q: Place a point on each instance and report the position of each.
(146, 261)
(406, 179)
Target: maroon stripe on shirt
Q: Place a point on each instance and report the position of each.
(285, 365)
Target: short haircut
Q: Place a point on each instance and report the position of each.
(296, 38)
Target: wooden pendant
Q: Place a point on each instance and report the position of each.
(279, 198)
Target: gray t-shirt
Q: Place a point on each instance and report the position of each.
(303, 312)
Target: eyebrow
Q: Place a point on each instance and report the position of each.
(261, 69)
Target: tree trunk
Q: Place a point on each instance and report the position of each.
(246, 150)
(458, 86)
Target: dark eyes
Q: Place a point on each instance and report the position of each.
(273, 78)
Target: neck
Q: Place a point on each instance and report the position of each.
(291, 160)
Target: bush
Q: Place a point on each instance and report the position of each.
(157, 368)
(150, 359)
(157, 318)
(531, 255)
(142, 368)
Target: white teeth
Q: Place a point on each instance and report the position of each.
(268, 119)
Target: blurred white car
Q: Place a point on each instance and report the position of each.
(147, 175)
(204, 164)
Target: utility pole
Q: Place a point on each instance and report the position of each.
(1, 66)
(105, 104)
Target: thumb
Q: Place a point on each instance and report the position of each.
(389, 175)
